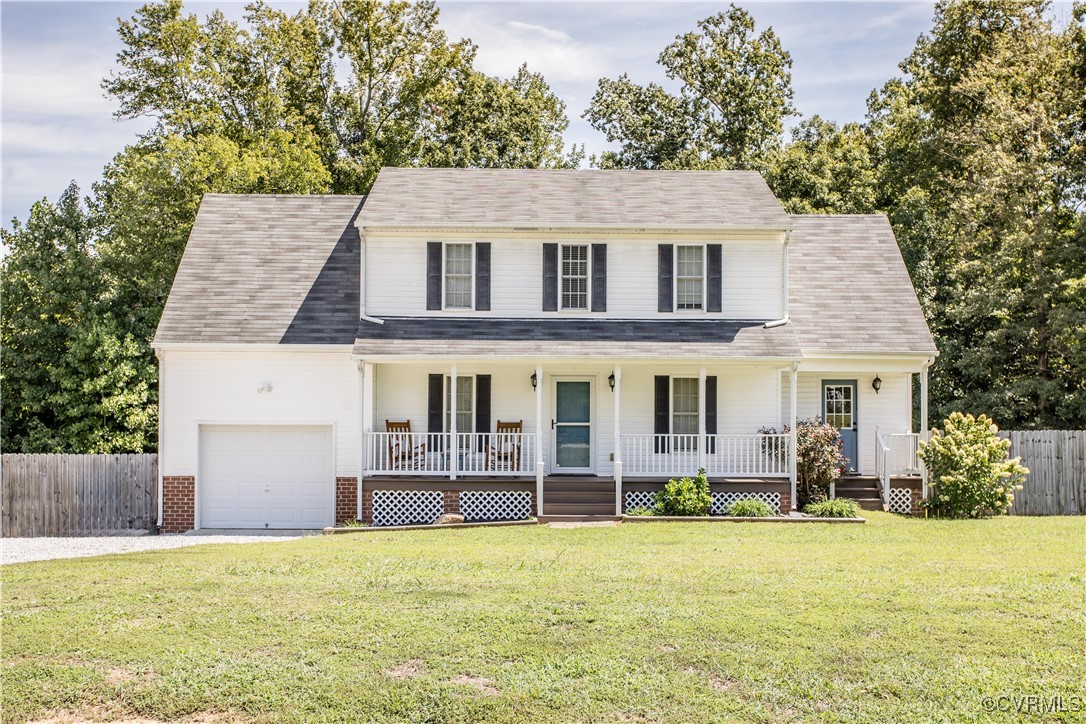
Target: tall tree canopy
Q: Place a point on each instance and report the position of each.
(735, 91)
(980, 154)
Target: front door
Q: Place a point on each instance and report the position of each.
(572, 426)
(839, 410)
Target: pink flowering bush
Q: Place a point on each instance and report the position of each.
(971, 471)
(819, 458)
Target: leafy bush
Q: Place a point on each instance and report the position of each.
(749, 508)
(836, 508)
(641, 511)
(685, 496)
(972, 473)
(819, 460)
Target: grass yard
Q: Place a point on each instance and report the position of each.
(898, 619)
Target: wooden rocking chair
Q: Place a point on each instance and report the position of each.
(403, 453)
(503, 448)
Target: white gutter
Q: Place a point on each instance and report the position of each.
(775, 323)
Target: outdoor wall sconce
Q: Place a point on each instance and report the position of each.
(876, 384)
(535, 380)
(611, 381)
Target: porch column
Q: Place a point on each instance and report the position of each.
(454, 449)
(924, 426)
(539, 440)
(701, 419)
(365, 425)
(618, 440)
(793, 374)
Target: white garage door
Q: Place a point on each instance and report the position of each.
(266, 476)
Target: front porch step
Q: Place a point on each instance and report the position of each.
(579, 497)
(868, 503)
(578, 518)
(593, 485)
(578, 508)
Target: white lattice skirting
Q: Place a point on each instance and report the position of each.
(407, 507)
(901, 501)
(496, 504)
(639, 499)
(721, 501)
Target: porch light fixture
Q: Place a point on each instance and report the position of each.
(535, 380)
(611, 381)
(876, 384)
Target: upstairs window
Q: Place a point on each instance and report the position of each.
(689, 278)
(575, 277)
(458, 276)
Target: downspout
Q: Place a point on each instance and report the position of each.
(362, 279)
(784, 288)
(924, 423)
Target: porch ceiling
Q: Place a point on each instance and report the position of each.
(574, 337)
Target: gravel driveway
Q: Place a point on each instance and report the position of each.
(21, 550)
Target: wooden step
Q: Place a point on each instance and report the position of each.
(575, 487)
(578, 508)
(577, 518)
(601, 497)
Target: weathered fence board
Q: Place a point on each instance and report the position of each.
(67, 495)
(1057, 471)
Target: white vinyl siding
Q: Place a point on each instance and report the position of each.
(689, 278)
(395, 279)
(574, 277)
(207, 387)
(458, 274)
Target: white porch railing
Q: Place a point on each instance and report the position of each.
(895, 454)
(420, 453)
(721, 455)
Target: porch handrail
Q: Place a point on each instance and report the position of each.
(882, 468)
(738, 456)
(904, 447)
(474, 454)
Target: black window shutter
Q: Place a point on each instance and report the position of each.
(661, 422)
(714, 261)
(435, 413)
(482, 407)
(482, 277)
(710, 411)
(550, 277)
(433, 275)
(599, 277)
(666, 270)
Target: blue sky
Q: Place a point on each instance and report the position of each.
(58, 126)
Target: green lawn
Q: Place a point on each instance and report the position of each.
(898, 619)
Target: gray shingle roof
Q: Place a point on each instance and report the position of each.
(267, 269)
(443, 197)
(574, 337)
(849, 290)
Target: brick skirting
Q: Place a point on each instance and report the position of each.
(346, 499)
(178, 503)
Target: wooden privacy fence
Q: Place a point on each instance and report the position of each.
(1057, 471)
(66, 495)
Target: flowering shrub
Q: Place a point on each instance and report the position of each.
(819, 460)
(972, 474)
(685, 496)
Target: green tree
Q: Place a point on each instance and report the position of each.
(825, 169)
(735, 90)
(978, 168)
(71, 380)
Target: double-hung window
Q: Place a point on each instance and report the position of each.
(458, 273)
(465, 405)
(684, 412)
(575, 277)
(689, 278)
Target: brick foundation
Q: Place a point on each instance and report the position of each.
(786, 503)
(452, 502)
(178, 503)
(346, 499)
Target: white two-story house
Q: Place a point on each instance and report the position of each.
(515, 343)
